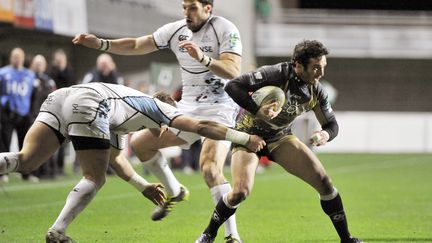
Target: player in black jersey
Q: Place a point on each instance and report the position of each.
(300, 81)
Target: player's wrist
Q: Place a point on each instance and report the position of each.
(206, 60)
(138, 182)
(237, 137)
(104, 45)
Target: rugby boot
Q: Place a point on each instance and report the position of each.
(161, 212)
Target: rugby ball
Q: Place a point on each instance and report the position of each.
(269, 94)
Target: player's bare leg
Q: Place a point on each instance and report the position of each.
(296, 158)
(39, 144)
(146, 144)
(243, 169)
(94, 163)
(212, 160)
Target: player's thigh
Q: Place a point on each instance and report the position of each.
(243, 167)
(214, 151)
(94, 163)
(296, 158)
(40, 143)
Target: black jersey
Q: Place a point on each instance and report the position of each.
(300, 98)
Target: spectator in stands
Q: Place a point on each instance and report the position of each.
(16, 92)
(105, 71)
(62, 74)
(43, 86)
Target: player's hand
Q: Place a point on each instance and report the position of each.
(255, 143)
(268, 111)
(163, 129)
(155, 194)
(87, 40)
(192, 49)
(319, 138)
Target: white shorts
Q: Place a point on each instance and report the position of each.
(70, 111)
(224, 113)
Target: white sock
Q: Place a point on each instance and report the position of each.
(329, 196)
(158, 166)
(138, 182)
(230, 225)
(9, 162)
(77, 200)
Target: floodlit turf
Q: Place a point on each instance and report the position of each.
(388, 198)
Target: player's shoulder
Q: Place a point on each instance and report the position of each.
(221, 22)
(281, 67)
(174, 26)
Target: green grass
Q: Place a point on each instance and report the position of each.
(388, 198)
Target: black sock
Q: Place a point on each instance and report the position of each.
(334, 209)
(219, 216)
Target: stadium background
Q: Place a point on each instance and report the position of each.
(379, 63)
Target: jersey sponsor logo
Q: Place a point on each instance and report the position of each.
(234, 39)
(183, 37)
(205, 49)
(18, 88)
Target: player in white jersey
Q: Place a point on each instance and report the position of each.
(208, 49)
(95, 117)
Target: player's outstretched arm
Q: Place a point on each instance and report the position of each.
(218, 131)
(123, 46)
(123, 169)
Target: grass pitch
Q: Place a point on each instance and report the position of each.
(387, 198)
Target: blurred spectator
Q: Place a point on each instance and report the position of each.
(105, 71)
(62, 74)
(16, 92)
(60, 71)
(43, 85)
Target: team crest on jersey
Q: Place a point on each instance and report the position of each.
(234, 38)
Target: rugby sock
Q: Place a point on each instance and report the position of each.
(230, 224)
(332, 206)
(221, 213)
(77, 200)
(158, 166)
(9, 162)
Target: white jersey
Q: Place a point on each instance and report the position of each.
(103, 110)
(217, 36)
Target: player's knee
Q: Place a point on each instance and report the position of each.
(239, 196)
(326, 184)
(98, 180)
(210, 171)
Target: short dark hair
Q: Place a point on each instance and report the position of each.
(308, 49)
(205, 2)
(164, 97)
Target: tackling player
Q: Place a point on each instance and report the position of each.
(96, 117)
